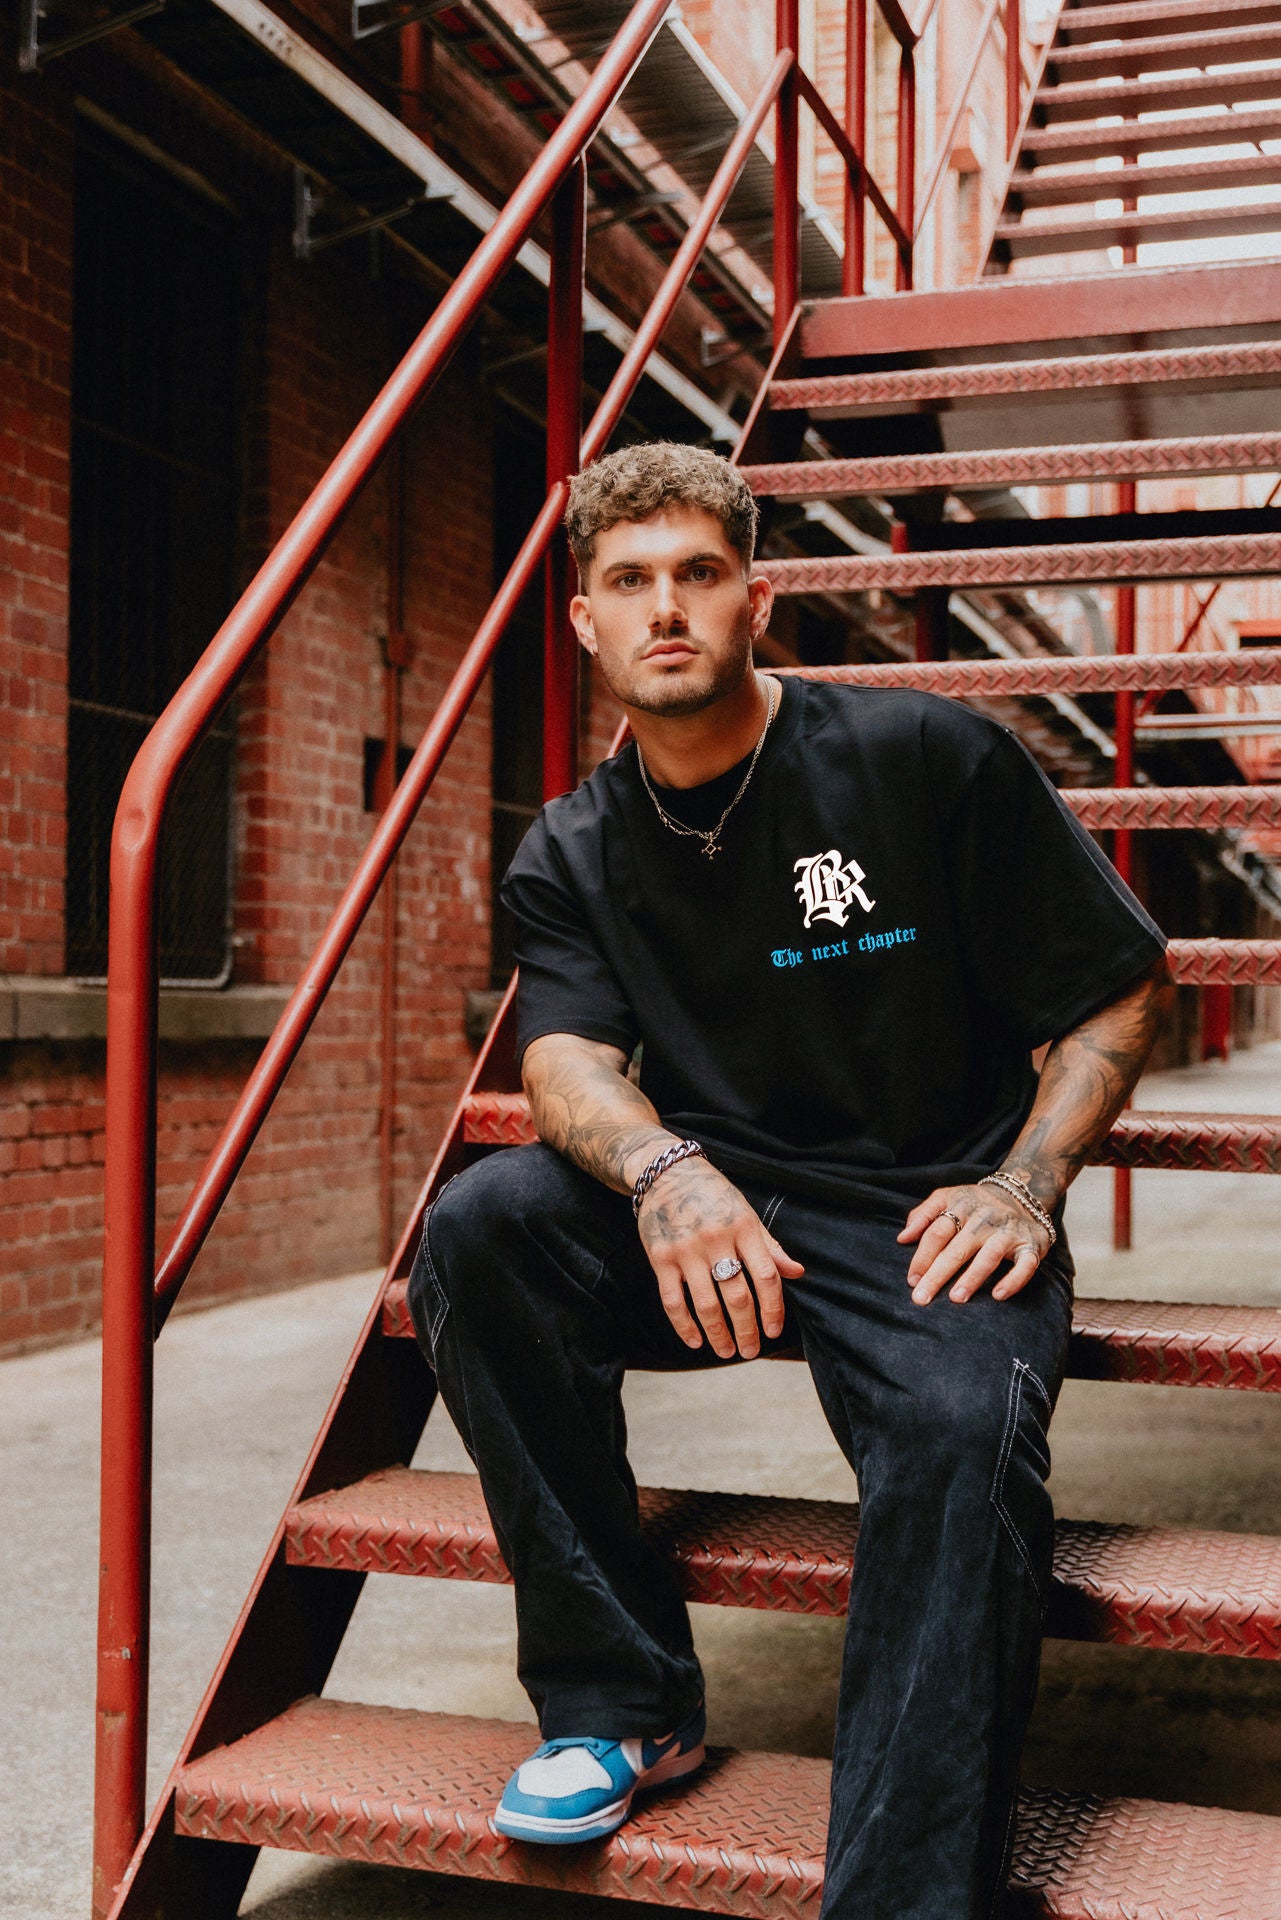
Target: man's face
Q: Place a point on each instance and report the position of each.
(670, 612)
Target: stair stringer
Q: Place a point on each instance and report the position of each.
(292, 1624)
(988, 265)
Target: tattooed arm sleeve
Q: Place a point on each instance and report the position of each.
(584, 1105)
(1087, 1078)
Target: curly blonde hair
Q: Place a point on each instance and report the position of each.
(637, 482)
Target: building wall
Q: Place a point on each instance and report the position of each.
(307, 1203)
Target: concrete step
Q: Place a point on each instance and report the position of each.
(391, 1786)
(1016, 466)
(1178, 1590)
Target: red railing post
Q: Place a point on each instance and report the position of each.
(124, 1567)
(564, 435)
(853, 268)
(787, 206)
(906, 186)
(1013, 73)
(1122, 840)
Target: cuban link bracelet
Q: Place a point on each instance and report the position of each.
(710, 837)
(686, 1150)
(1020, 1191)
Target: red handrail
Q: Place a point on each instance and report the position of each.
(132, 1311)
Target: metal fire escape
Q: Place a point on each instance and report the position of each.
(906, 394)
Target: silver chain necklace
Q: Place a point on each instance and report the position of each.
(710, 837)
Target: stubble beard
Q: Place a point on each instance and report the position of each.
(673, 695)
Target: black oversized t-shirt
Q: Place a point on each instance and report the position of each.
(843, 1002)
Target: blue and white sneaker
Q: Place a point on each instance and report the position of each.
(581, 1789)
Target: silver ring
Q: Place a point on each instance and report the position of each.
(947, 1214)
(726, 1269)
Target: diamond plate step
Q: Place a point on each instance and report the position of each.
(1015, 240)
(1212, 45)
(1047, 144)
(1018, 466)
(835, 395)
(1069, 186)
(391, 1786)
(1140, 18)
(1196, 1592)
(1214, 557)
(1086, 100)
(1146, 1342)
(1142, 1137)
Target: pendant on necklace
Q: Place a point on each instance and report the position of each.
(711, 849)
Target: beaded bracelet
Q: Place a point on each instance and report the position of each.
(1020, 1191)
(686, 1150)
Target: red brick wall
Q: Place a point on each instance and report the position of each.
(307, 1202)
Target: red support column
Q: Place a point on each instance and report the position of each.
(1122, 841)
(787, 251)
(853, 266)
(564, 439)
(905, 197)
(1013, 73)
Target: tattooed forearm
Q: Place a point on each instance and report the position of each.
(584, 1105)
(1087, 1078)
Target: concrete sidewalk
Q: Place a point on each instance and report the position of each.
(241, 1390)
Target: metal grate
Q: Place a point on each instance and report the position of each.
(154, 521)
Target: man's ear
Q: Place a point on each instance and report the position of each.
(760, 593)
(580, 615)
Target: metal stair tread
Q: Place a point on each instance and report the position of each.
(1148, 1342)
(1070, 186)
(1091, 100)
(1206, 45)
(1080, 25)
(1084, 562)
(394, 1786)
(1029, 240)
(1176, 1589)
(1141, 1137)
(1148, 136)
(1017, 466)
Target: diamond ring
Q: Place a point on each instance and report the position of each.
(726, 1269)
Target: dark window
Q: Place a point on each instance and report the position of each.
(154, 516)
(520, 488)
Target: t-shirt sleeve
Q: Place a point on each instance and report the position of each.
(566, 985)
(1049, 929)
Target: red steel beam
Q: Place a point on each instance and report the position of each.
(1018, 466)
(849, 153)
(1017, 378)
(564, 434)
(853, 266)
(1013, 75)
(787, 200)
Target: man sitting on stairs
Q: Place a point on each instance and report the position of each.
(835, 921)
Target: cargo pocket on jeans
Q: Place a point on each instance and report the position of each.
(1022, 1468)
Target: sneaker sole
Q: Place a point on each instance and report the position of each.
(546, 1830)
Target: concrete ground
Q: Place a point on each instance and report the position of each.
(241, 1390)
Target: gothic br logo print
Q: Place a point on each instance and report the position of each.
(828, 885)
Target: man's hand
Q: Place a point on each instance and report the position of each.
(584, 1105)
(692, 1217)
(965, 1234)
(992, 1230)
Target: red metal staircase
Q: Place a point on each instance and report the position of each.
(921, 397)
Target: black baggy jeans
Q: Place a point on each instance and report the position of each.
(531, 1295)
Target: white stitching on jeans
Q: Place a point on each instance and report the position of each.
(1013, 1402)
(771, 1211)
